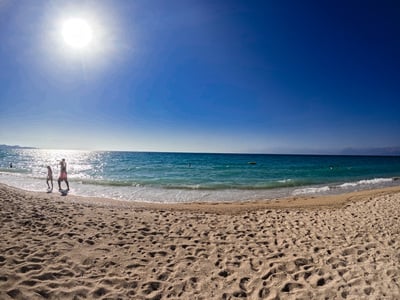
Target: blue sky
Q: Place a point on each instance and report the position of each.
(202, 76)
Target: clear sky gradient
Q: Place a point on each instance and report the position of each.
(202, 76)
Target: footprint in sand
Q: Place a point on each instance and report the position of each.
(150, 287)
(290, 286)
(30, 267)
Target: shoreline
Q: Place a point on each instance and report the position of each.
(295, 202)
(336, 247)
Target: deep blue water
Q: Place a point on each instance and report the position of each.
(177, 177)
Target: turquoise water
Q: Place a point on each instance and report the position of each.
(185, 177)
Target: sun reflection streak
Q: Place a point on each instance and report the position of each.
(79, 163)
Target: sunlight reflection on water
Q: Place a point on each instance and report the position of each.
(36, 161)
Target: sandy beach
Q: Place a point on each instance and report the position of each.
(334, 247)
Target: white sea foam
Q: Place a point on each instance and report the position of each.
(311, 190)
(374, 181)
(285, 180)
(346, 187)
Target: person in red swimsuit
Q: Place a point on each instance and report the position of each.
(63, 174)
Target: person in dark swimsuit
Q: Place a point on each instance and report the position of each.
(49, 178)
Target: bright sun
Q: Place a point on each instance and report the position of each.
(77, 33)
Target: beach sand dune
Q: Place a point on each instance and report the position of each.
(54, 247)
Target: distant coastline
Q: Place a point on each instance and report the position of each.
(3, 146)
(383, 151)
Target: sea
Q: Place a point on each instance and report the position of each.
(197, 177)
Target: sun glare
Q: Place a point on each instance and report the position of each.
(77, 33)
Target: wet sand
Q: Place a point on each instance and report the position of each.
(335, 247)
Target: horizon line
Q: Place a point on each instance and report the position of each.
(348, 151)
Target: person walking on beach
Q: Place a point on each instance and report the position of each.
(49, 178)
(63, 174)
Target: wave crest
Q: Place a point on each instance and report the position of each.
(346, 185)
